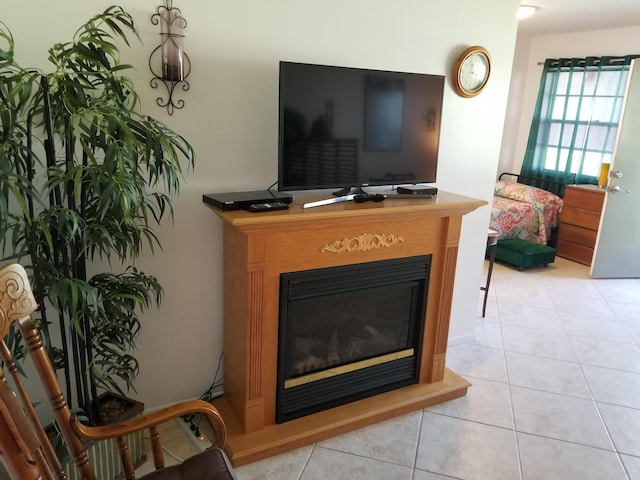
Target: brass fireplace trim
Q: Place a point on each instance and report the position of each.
(363, 242)
(351, 367)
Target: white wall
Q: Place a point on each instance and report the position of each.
(527, 68)
(230, 117)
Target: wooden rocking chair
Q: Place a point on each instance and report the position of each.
(25, 449)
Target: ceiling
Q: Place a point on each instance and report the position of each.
(565, 16)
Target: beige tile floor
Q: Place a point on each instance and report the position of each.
(555, 369)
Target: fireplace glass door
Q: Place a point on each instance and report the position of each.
(349, 332)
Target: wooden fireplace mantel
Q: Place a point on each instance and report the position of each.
(258, 247)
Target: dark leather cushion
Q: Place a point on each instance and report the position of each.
(212, 464)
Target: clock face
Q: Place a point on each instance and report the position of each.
(474, 72)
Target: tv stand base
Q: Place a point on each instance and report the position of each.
(350, 191)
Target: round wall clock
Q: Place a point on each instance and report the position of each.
(471, 71)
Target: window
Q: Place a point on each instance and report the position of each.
(575, 123)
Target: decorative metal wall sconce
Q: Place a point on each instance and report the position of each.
(175, 65)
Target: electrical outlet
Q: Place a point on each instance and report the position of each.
(201, 442)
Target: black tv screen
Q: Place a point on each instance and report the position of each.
(351, 127)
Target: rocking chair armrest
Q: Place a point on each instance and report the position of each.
(155, 418)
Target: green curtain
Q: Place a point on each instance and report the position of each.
(575, 120)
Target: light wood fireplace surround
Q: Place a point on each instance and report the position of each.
(259, 247)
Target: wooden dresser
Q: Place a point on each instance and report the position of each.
(579, 222)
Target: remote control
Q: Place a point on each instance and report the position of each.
(266, 207)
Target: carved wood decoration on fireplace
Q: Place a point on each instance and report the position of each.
(261, 249)
(349, 332)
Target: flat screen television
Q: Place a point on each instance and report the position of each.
(349, 128)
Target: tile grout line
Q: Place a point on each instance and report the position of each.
(307, 460)
(417, 450)
(593, 398)
(513, 413)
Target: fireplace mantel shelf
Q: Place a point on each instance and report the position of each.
(258, 248)
(444, 203)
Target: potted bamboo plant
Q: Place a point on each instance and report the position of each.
(84, 179)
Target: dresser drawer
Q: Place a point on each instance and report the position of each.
(579, 222)
(580, 217)
(573, 251)
(584, 197)
(579, 235)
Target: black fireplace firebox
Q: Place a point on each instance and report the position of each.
(349, 332)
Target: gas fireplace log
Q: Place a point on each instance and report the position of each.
(314, 354)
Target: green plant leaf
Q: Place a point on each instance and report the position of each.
(84, 176)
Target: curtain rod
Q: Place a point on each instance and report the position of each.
(596, 60)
